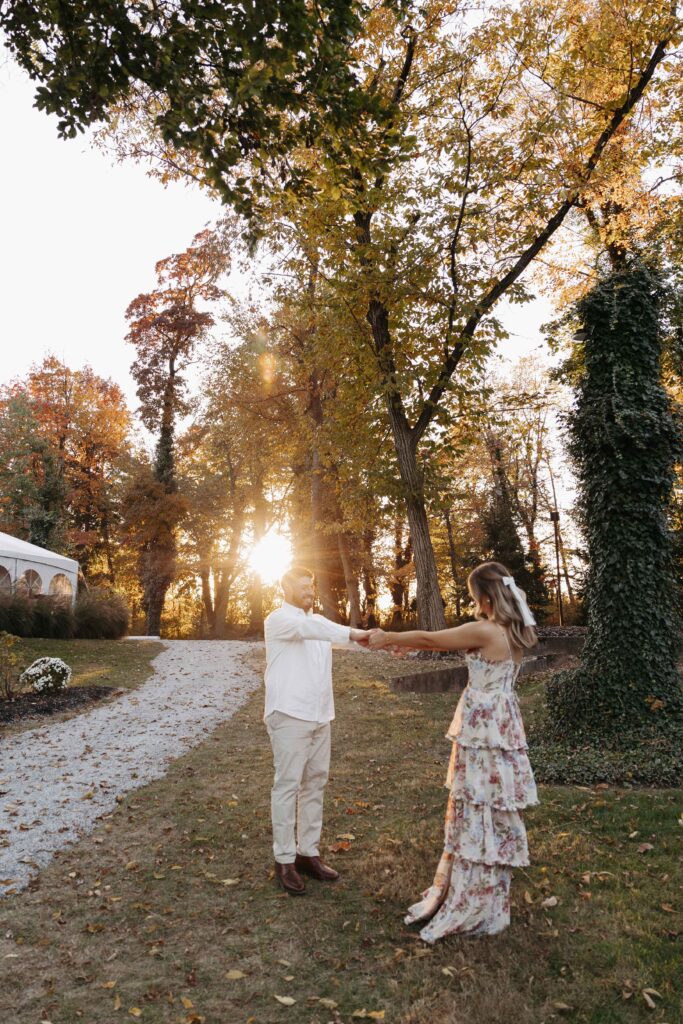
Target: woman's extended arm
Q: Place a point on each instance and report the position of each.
(460, 638)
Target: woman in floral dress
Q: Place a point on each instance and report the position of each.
(489, 776)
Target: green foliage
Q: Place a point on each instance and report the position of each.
(625, 438)
(220, 76)
(639, 764)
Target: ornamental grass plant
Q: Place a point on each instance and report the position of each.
(97, 615)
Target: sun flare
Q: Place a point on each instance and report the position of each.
(271, 557)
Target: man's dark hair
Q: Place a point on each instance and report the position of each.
(294, 573)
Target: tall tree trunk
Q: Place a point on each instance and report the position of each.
(158, 570)
(351, 580)
(430, 609)
(106, 538)
(398, 587)
(256, 587)
(207, 597)
(454, 562)
(222, 582)
(565, 571)
(320, 541)
(369, 581)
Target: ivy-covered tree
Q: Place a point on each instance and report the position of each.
(625, 438)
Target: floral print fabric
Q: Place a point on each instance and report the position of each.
(489, 780)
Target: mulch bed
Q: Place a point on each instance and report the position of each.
(33, 705)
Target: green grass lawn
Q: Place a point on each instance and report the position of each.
(101, 662)
(168, 911)
(116, 663)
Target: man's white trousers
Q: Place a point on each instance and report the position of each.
(301, 756)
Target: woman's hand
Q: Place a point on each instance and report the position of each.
(378, 639)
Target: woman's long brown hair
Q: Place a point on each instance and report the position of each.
(487, 581)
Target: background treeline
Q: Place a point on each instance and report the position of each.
(277, 430)
(415, 166)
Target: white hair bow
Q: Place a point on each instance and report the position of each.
(527, 617)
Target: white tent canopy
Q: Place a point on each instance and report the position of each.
(26, 568)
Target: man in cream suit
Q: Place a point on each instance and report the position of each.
(299, 709)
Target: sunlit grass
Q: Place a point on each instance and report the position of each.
(174, 891)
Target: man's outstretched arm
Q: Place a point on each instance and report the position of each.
(285, 626)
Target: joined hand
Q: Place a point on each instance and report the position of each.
(377, 639)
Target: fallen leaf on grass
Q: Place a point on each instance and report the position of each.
(647, 994)
(346, 835)
(131, 865)
(328, 1004)
(340, 847)
(135, 1011)
(117, 1002)
(644, 847)
(234, 975)
(187, 1003)
(368, 1014)
(108, 984)
(285, 1000)
(667, 906)
(563, 1008)
(551, 901)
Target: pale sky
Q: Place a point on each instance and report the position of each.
(80, 238)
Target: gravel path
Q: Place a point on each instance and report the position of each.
(55, 781)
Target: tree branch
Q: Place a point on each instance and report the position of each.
(501, 286)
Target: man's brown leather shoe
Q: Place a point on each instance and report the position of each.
(314, 867)
(290, 880)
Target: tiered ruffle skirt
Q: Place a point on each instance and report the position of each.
(489, 780)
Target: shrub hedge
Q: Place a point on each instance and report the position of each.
(97, 615)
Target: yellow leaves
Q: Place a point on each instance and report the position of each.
(368, 1014)
(327, 1004)
(132, 865)
(234, 975)
(230, 881)
(117, 1002)
(158, 875)
(285, 1000)
(108, 984)
(135, 1011)
(187, 1003)
(89, 795)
